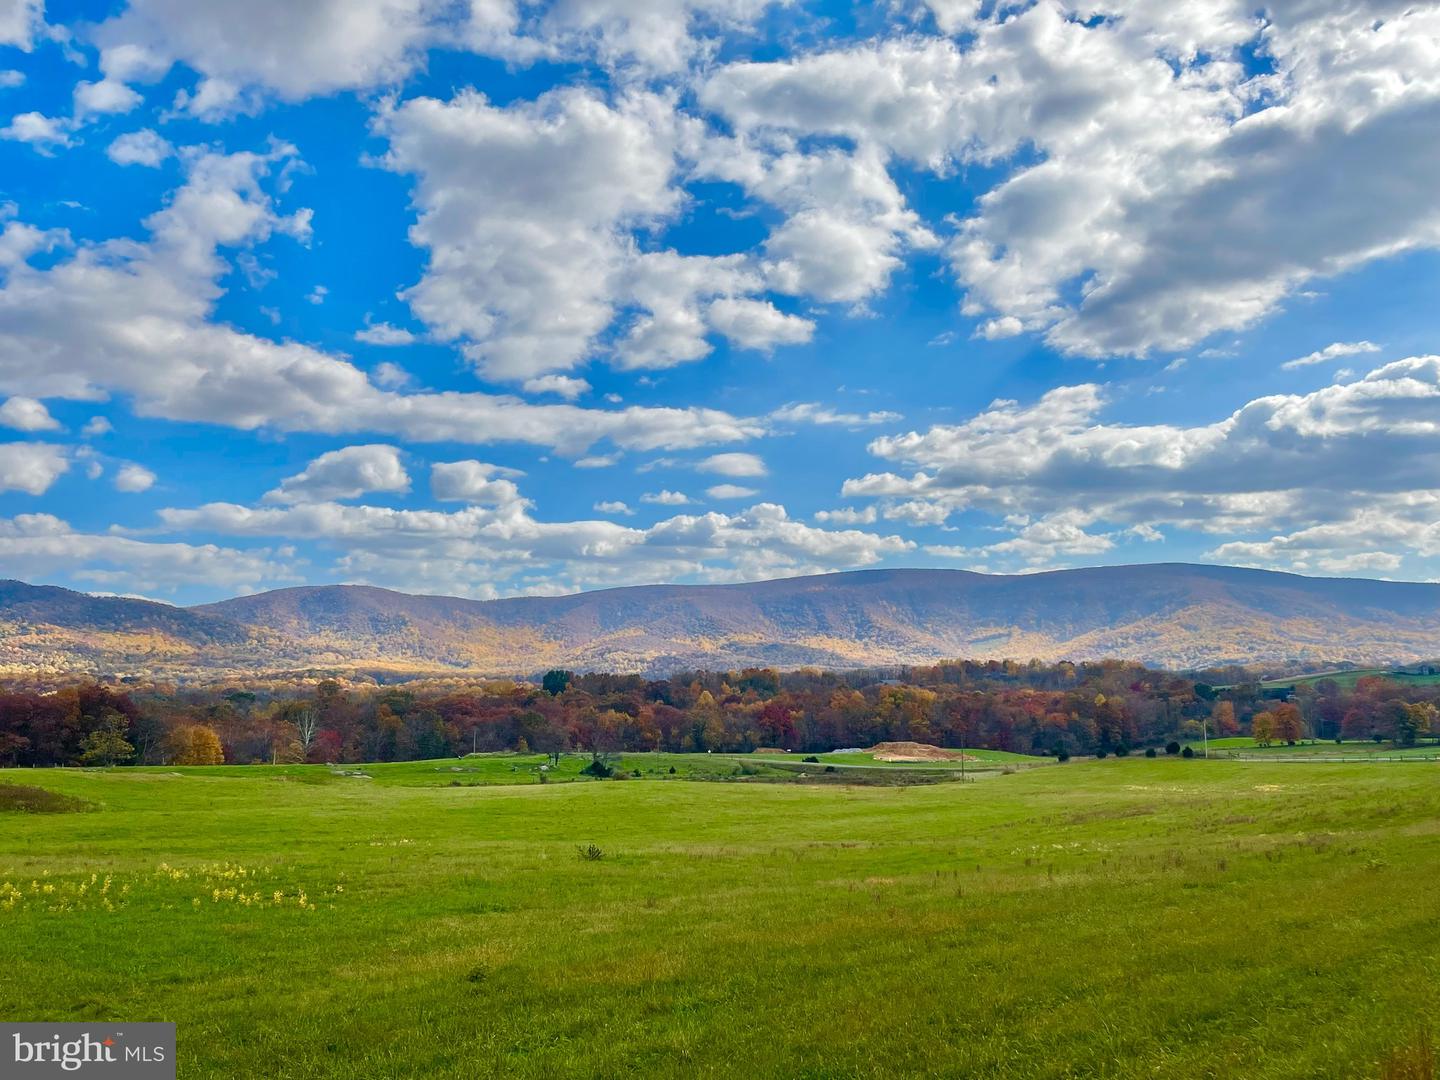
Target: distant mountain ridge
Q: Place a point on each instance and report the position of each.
(1167, 614)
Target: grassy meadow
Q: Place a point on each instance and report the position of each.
(1117, 918)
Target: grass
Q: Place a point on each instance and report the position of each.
(1350, 677)
(1119, 918)
(28, 799)
(1356, 748)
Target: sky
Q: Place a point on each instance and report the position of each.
(496, 297)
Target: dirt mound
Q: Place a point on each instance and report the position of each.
(770, 750)
(915, 751)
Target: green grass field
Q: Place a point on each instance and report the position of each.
(1120, 918)
(1326, 748)
(1349, 678)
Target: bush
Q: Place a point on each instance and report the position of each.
(1123, 750)
(1100, 753)
(1149, 751)
(598, 767)
(1062, 754)
(1172, 747)
(672, 770)
(1187, 752)
(811, 759)
(589, 852)
(829, 768)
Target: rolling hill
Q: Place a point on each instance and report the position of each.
(1174, 615)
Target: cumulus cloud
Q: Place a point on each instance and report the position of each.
(613, 506)
(292, 51)
(20, 22)
(135, 318)
(132, 478)
(105, 97)
(564, 386)
(384, 334)
(143, 147)
(666, 497)
(27, 414)
(39, 546)
(473, 482)
(44, 133)
(347, 473)
(1355, 459)
(733, 464)
(1166, 191)
(470, 549)
(731, 491)
(31, 467)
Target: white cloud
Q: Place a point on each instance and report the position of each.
(384, 334)
(812, 412)
(10, 78)
(472, 548)
(106, 97)
(758, 324)
(317, 295)
(596, 461)
(1166, 192)
(847, 515)
(733, 464)
(27, 414)
(290, 50)
(1331, 352)
(143, 147)
(134, 318)
(31, 467)
(523, 210)
(347, 473)
(474, 482)
(44, 133)
(564, 386)
(666, 497)
(20, 22)
(37, 546)
(1346, 459)
(730, 491)
(613, 506)
(95, 427)
(133, 478)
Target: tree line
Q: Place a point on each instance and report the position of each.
(1059, 709)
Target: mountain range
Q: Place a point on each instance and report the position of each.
(1169, 614)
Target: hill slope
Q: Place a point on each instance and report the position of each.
(1166, 614)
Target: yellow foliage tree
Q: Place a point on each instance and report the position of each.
(194, 744)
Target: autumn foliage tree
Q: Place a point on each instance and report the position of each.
(194, 744)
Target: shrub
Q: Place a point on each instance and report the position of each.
(598, 767)
(1149, 751)
(1172, 747)
(811, 758)
(26, 799)
(1100, 753)
(829, 768)
(672, 770)
(1123, 750)
(589, 852)
(1062, 754)
(1187, 752)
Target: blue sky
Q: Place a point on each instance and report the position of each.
(500, 297)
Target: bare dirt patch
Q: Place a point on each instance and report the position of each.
(915, 751)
